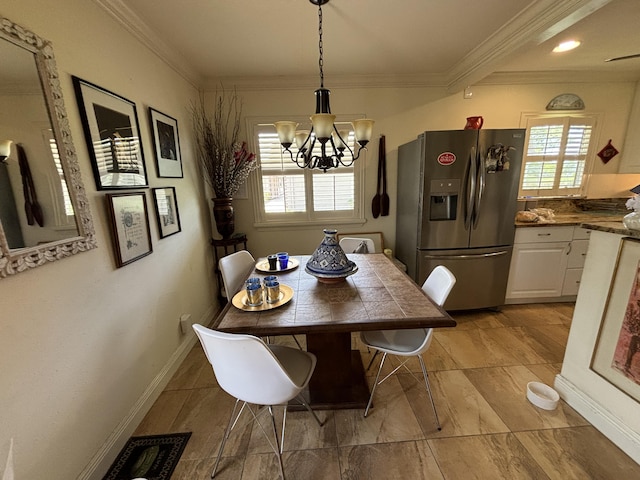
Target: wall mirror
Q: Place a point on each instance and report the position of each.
(44, 211)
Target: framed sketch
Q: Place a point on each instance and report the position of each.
(130, 226)
(111, 130)
(166, 211)
(616, 355)
(166, 143)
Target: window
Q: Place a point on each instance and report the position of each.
(290, 194)
(557, 155)
(62, 205)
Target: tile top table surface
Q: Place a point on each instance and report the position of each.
(378, 296)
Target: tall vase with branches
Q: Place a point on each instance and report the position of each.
(225, 161)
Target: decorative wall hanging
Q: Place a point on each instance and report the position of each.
(608, 152)
(617, 353)
(110, 124)
(130, 226)
(166, 211)
(167, 144)
(566, 101)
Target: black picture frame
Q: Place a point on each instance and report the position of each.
(130, 226)
(166, 143)
(167, 213)
(112, 133)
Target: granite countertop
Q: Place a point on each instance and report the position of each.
(576, 218)
(611, 227)
(600, 221)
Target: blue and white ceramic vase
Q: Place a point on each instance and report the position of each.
(329, 263)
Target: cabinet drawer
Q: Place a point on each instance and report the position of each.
(543, 234)
(580, 233)
(577, 253)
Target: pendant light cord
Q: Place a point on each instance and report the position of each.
(320, 61)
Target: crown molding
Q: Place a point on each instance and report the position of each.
(538, 22)
(336, 82)
(559, 76)
(139, 29)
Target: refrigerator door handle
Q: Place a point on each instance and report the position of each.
(470, 189)
(480, 190)
(481, 255)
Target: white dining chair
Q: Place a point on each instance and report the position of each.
(410, 342)
(254, 372)
(357, 245)
(234, 269)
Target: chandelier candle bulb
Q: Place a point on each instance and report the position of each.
(363, 129)
(286, 132)
(301, 138)
(323, 125)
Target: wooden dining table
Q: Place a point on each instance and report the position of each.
(379, 296)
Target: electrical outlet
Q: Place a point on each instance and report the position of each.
(185, 322)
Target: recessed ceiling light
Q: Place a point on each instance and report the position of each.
(566, 46)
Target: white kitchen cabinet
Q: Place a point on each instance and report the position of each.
(546, 264)
(575, 261)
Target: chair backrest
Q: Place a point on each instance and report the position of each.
(235, 268)
(246, 368)
(351, 244)
(439, 283)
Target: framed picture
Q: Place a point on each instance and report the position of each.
(166, 143)
(130, 226)
(110, 124)
(616, 355)
(166, 211)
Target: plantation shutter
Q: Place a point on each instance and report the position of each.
(556, 156)
(288, 189)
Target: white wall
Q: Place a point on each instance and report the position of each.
(402, 113)
(83, 343)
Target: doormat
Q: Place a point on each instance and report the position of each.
(152, 457)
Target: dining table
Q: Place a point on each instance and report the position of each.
(378, 296)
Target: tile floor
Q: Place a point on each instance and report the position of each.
(478, 372)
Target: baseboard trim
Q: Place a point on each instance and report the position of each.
(521, 301)
(103, 458)
(609, 425)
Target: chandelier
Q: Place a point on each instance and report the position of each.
(333, 142)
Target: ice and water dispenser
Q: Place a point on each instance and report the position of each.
(443, 201)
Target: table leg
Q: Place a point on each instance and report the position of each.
(338, 380)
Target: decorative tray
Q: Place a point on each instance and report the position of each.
(263, 266)
(240, 300)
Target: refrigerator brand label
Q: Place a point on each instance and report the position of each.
(446, 158)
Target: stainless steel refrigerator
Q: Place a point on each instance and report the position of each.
(457, 194)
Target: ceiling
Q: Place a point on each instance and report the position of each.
(452, 43)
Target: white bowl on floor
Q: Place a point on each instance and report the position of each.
(542, 396)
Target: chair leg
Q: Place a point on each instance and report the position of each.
(297, 342)
(372, 359)
(310, 410)
(284, 422)
(426, 383)
(375, 384)
(227, 432)
(275, 434)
